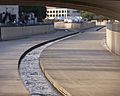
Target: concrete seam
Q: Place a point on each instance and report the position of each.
(107, 48)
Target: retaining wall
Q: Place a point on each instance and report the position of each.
(15, 32)
(113, 37)
(61, 25)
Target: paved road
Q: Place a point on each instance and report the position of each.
(10, 52)
(82, 66)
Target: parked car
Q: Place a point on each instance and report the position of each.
(75, 19)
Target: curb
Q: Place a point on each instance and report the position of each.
(54, 83)
(99, 28)
(41, 44)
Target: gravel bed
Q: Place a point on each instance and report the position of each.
(32, 75)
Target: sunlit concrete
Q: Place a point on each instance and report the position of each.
(17, 32)
(10, 81)
(10, 52)
(62, 25)
(113, 37)
(82, 66)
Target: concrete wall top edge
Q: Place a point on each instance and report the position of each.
(114, 26)
(24, 25)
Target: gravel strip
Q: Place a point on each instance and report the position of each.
(32, 75)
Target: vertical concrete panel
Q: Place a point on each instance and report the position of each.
(50, 28)
(11, 33)
(8, 33)
(61, 25)
(117, 42)
(108, 38)
(113, 37)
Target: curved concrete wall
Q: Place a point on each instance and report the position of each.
(60, 25)
(113, 37)
(16, 32)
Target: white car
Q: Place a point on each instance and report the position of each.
(75, 19)
(68, 20)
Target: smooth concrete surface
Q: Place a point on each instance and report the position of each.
(113, 37)
(10, 52)
(62, 25)
(82, 66)
(8, 33)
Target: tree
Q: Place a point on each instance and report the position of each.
(88, 15)
(92, 16)
(39, 11)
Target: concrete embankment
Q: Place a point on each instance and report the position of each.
(81, 66)
(61, 25)
(113, 37)
(15, 32)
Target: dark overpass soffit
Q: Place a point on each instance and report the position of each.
(76, 2)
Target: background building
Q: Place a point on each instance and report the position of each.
(61, 13)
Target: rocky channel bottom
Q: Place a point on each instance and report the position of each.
(33, 77)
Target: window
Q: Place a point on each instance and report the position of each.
(47, 11)
(50, 15)
(68, 11)
(62, 15)
(75, 11)
(68, 14)
(59, 11)
(62, 11)
(50, 11)
(53, 15)
(59, 15)
(56, 11)
(53, 11)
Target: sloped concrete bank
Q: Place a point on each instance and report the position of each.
(33, 74)
(62, 90)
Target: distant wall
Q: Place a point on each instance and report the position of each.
(16, 32)
(113, 37)
(60, 25)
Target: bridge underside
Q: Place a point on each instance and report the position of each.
(109, 8)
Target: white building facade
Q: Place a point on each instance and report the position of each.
(53, 12)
